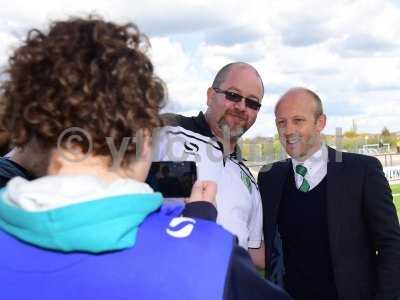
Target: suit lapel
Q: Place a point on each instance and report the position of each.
(335, 196)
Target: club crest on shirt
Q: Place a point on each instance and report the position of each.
(246, 180)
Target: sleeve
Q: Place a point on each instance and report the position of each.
(383, 224)
(201, 210)
(244, 282)
(255, 221)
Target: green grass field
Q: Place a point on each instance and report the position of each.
(396, 196)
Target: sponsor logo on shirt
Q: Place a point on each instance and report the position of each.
(180, 227)
(192, 149)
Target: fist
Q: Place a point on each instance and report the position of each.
(203, 191)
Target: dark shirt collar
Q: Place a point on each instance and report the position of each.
(202, 124)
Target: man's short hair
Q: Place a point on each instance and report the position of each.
(223, 72)
(317, 100)
(85, 73)
(319, 111)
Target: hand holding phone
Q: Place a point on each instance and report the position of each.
(203, 191)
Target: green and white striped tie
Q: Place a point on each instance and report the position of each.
(302, 171)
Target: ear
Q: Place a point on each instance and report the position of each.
(321, 122)
(210, 95)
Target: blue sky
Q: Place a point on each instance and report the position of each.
(347, 51)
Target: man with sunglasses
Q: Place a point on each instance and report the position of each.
(210, 139)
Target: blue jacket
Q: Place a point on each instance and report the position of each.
(159, 266)
(122, 247)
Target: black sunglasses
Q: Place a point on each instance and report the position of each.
(235, 97)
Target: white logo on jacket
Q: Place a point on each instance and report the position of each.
(184, 231)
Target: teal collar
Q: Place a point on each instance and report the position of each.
(100, 225)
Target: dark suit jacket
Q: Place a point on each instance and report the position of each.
(364, 231)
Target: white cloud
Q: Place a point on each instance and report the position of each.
(186, 87)
(346, 50)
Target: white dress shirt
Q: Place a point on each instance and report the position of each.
(317, 167)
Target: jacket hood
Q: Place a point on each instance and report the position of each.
(76, 213)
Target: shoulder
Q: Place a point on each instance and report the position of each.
(195, 124)
(271, 170)
(171, 119)
(354, 159)
(191, 135)
(169, 226)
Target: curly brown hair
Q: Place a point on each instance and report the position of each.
(85, 73)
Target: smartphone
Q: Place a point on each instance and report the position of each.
(172, 178)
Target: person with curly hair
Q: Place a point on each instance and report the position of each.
(84, 95)
(4, 142)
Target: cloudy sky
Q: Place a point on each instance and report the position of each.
(348, 51)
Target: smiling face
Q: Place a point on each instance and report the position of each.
(224, 114)
(298, 124)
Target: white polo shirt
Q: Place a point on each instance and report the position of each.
(238, 199)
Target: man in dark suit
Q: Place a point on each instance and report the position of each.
(334, 212)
